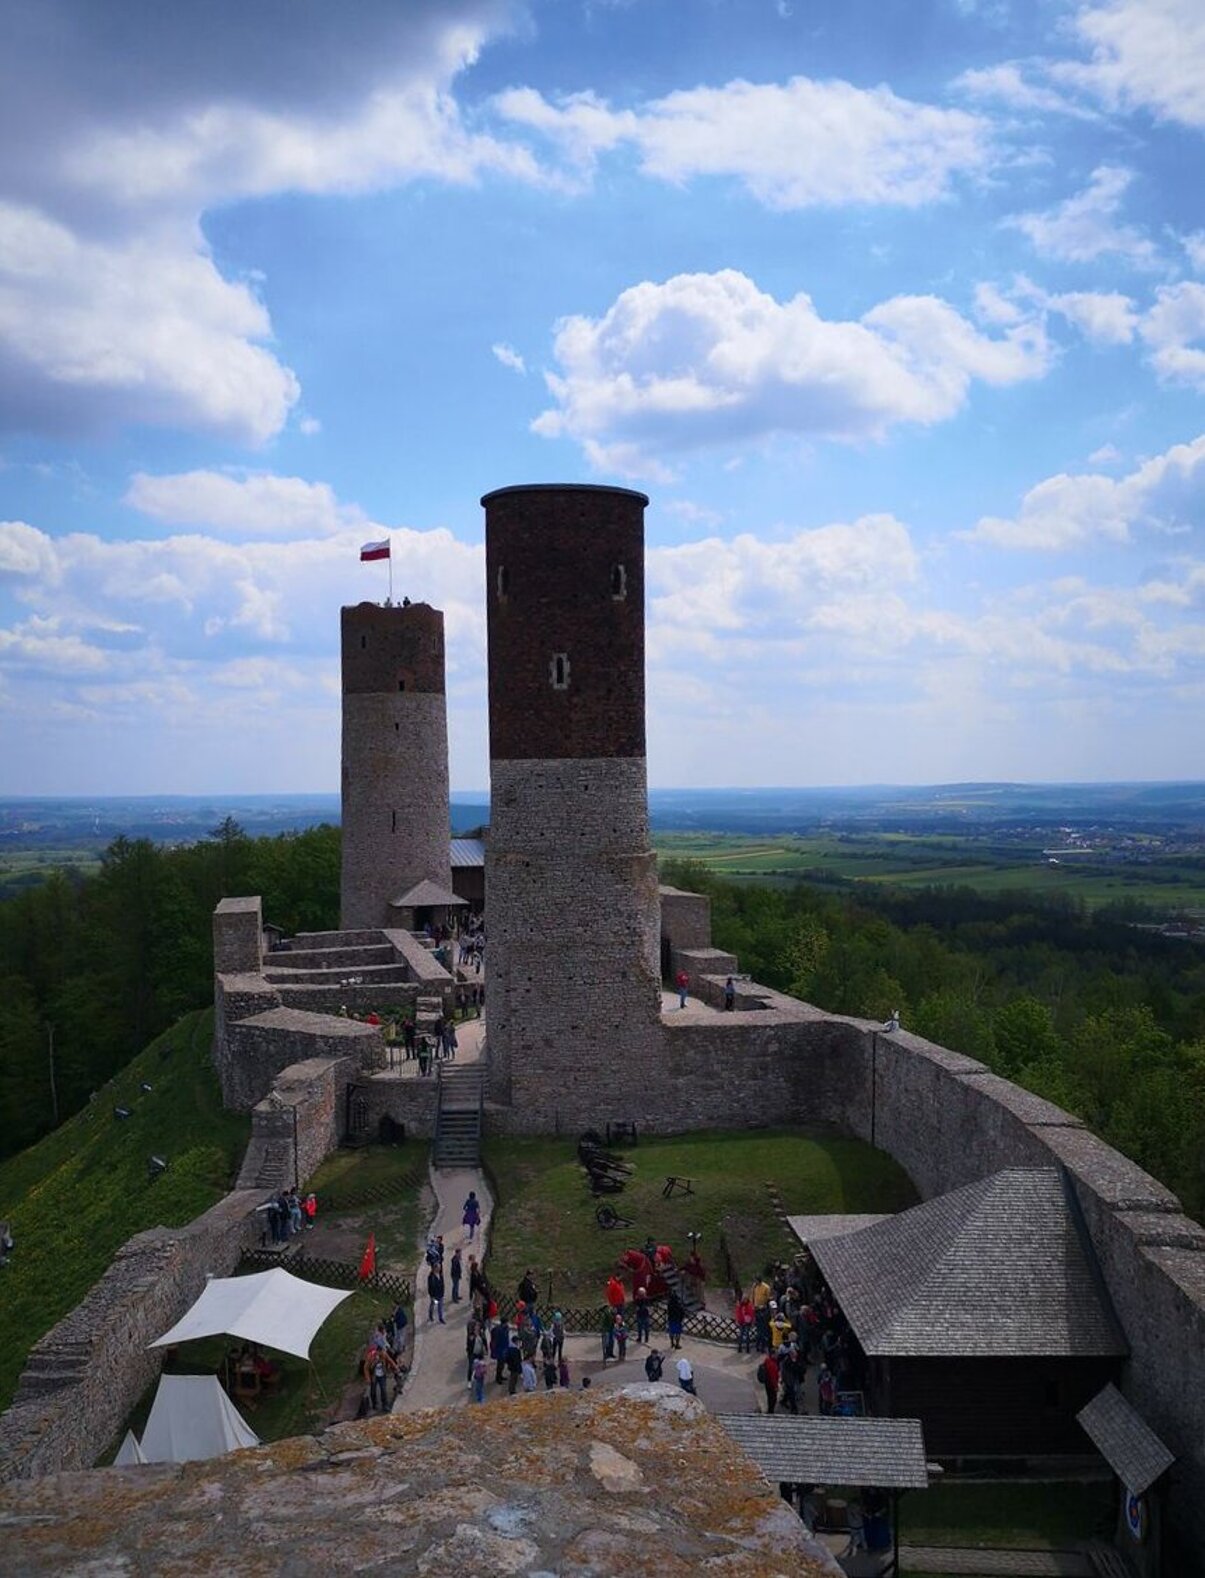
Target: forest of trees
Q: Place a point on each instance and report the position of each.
(105, 963)
(1103, 1019)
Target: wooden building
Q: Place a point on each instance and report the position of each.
(982, 1313)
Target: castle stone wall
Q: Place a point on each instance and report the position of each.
(85, 1376)
(258, 1048)
(685, 918)
(297, 1124)
(238, 932)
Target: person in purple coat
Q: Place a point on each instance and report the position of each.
(472, 1213)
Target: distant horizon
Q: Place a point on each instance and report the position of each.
(472, 796)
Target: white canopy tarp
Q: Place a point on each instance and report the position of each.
(192, 1418)
(129, 1452)
(271, 1307)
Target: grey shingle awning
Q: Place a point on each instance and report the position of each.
(426, 895)
(1001, 1268)
(467, 852)
(811, 1229)
(1126, 1442)
(888, 1454)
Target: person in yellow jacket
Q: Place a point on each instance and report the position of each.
(780, 1327)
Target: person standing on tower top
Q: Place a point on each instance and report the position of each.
(682, 982)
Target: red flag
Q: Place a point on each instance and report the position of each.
(368, 1265)
(375, 550)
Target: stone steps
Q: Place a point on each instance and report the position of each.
(458, 1120)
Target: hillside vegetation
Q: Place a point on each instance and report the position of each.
(111, 960)
(76, 1196)
(1104, 1020)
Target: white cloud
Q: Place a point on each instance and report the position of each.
(1007, 84)
(111, 307)
(1194, 245)
(256, 505)
(509, 357)
(1085, 226)
(139, 330)
(1106, 317)
(1145, 54)
(792, 145)
(1165, 494)
(1106, 455)
(1174, 329)
(709, 358)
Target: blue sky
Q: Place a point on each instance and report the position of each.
(895, 308)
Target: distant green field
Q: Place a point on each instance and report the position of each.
(929, 860)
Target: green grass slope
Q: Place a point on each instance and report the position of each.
(76, 1196)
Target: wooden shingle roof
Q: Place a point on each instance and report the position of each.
(998, 1269)
(886, 1453)
(1124, 1439)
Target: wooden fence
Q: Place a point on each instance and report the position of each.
(330, 1273)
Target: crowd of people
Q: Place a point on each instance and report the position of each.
(288, 1214)
(790, 1319)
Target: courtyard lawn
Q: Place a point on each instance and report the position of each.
(379, 1189)
(545, 1216)
(1029, 1516)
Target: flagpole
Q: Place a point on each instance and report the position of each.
(390, 541)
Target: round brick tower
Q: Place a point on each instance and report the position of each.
(573, 963)
(395, 759)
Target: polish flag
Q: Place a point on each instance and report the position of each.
(375, 550)
(368, 1264)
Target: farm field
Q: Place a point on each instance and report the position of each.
(930, 860)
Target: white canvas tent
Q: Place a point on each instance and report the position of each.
(271, 1308)
(129, 1452)
(190, 1418)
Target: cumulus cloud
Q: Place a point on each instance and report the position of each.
(116, 136)
(1165, 494)
(792, 145)
(1144, 54)
(1008, 84)
(709, 358)
(255, 505)
(1106, 317)
(1085, 226)
(509, 357)
(1174, 330)
(1194, 246)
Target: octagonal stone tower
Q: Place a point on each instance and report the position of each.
(395, 759)
(573, 958)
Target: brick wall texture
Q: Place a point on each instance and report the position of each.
(565, 576)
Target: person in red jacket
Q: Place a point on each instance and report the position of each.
(745, 1318)
(768, 1371)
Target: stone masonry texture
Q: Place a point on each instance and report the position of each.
(574, 977)
(639, 1482)
(395, 759)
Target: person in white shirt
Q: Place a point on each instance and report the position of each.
(686, 1376)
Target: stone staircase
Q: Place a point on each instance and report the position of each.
(427, 1010)
(267, 1164)
(458, 1115)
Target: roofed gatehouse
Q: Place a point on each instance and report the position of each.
(983, 1313)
